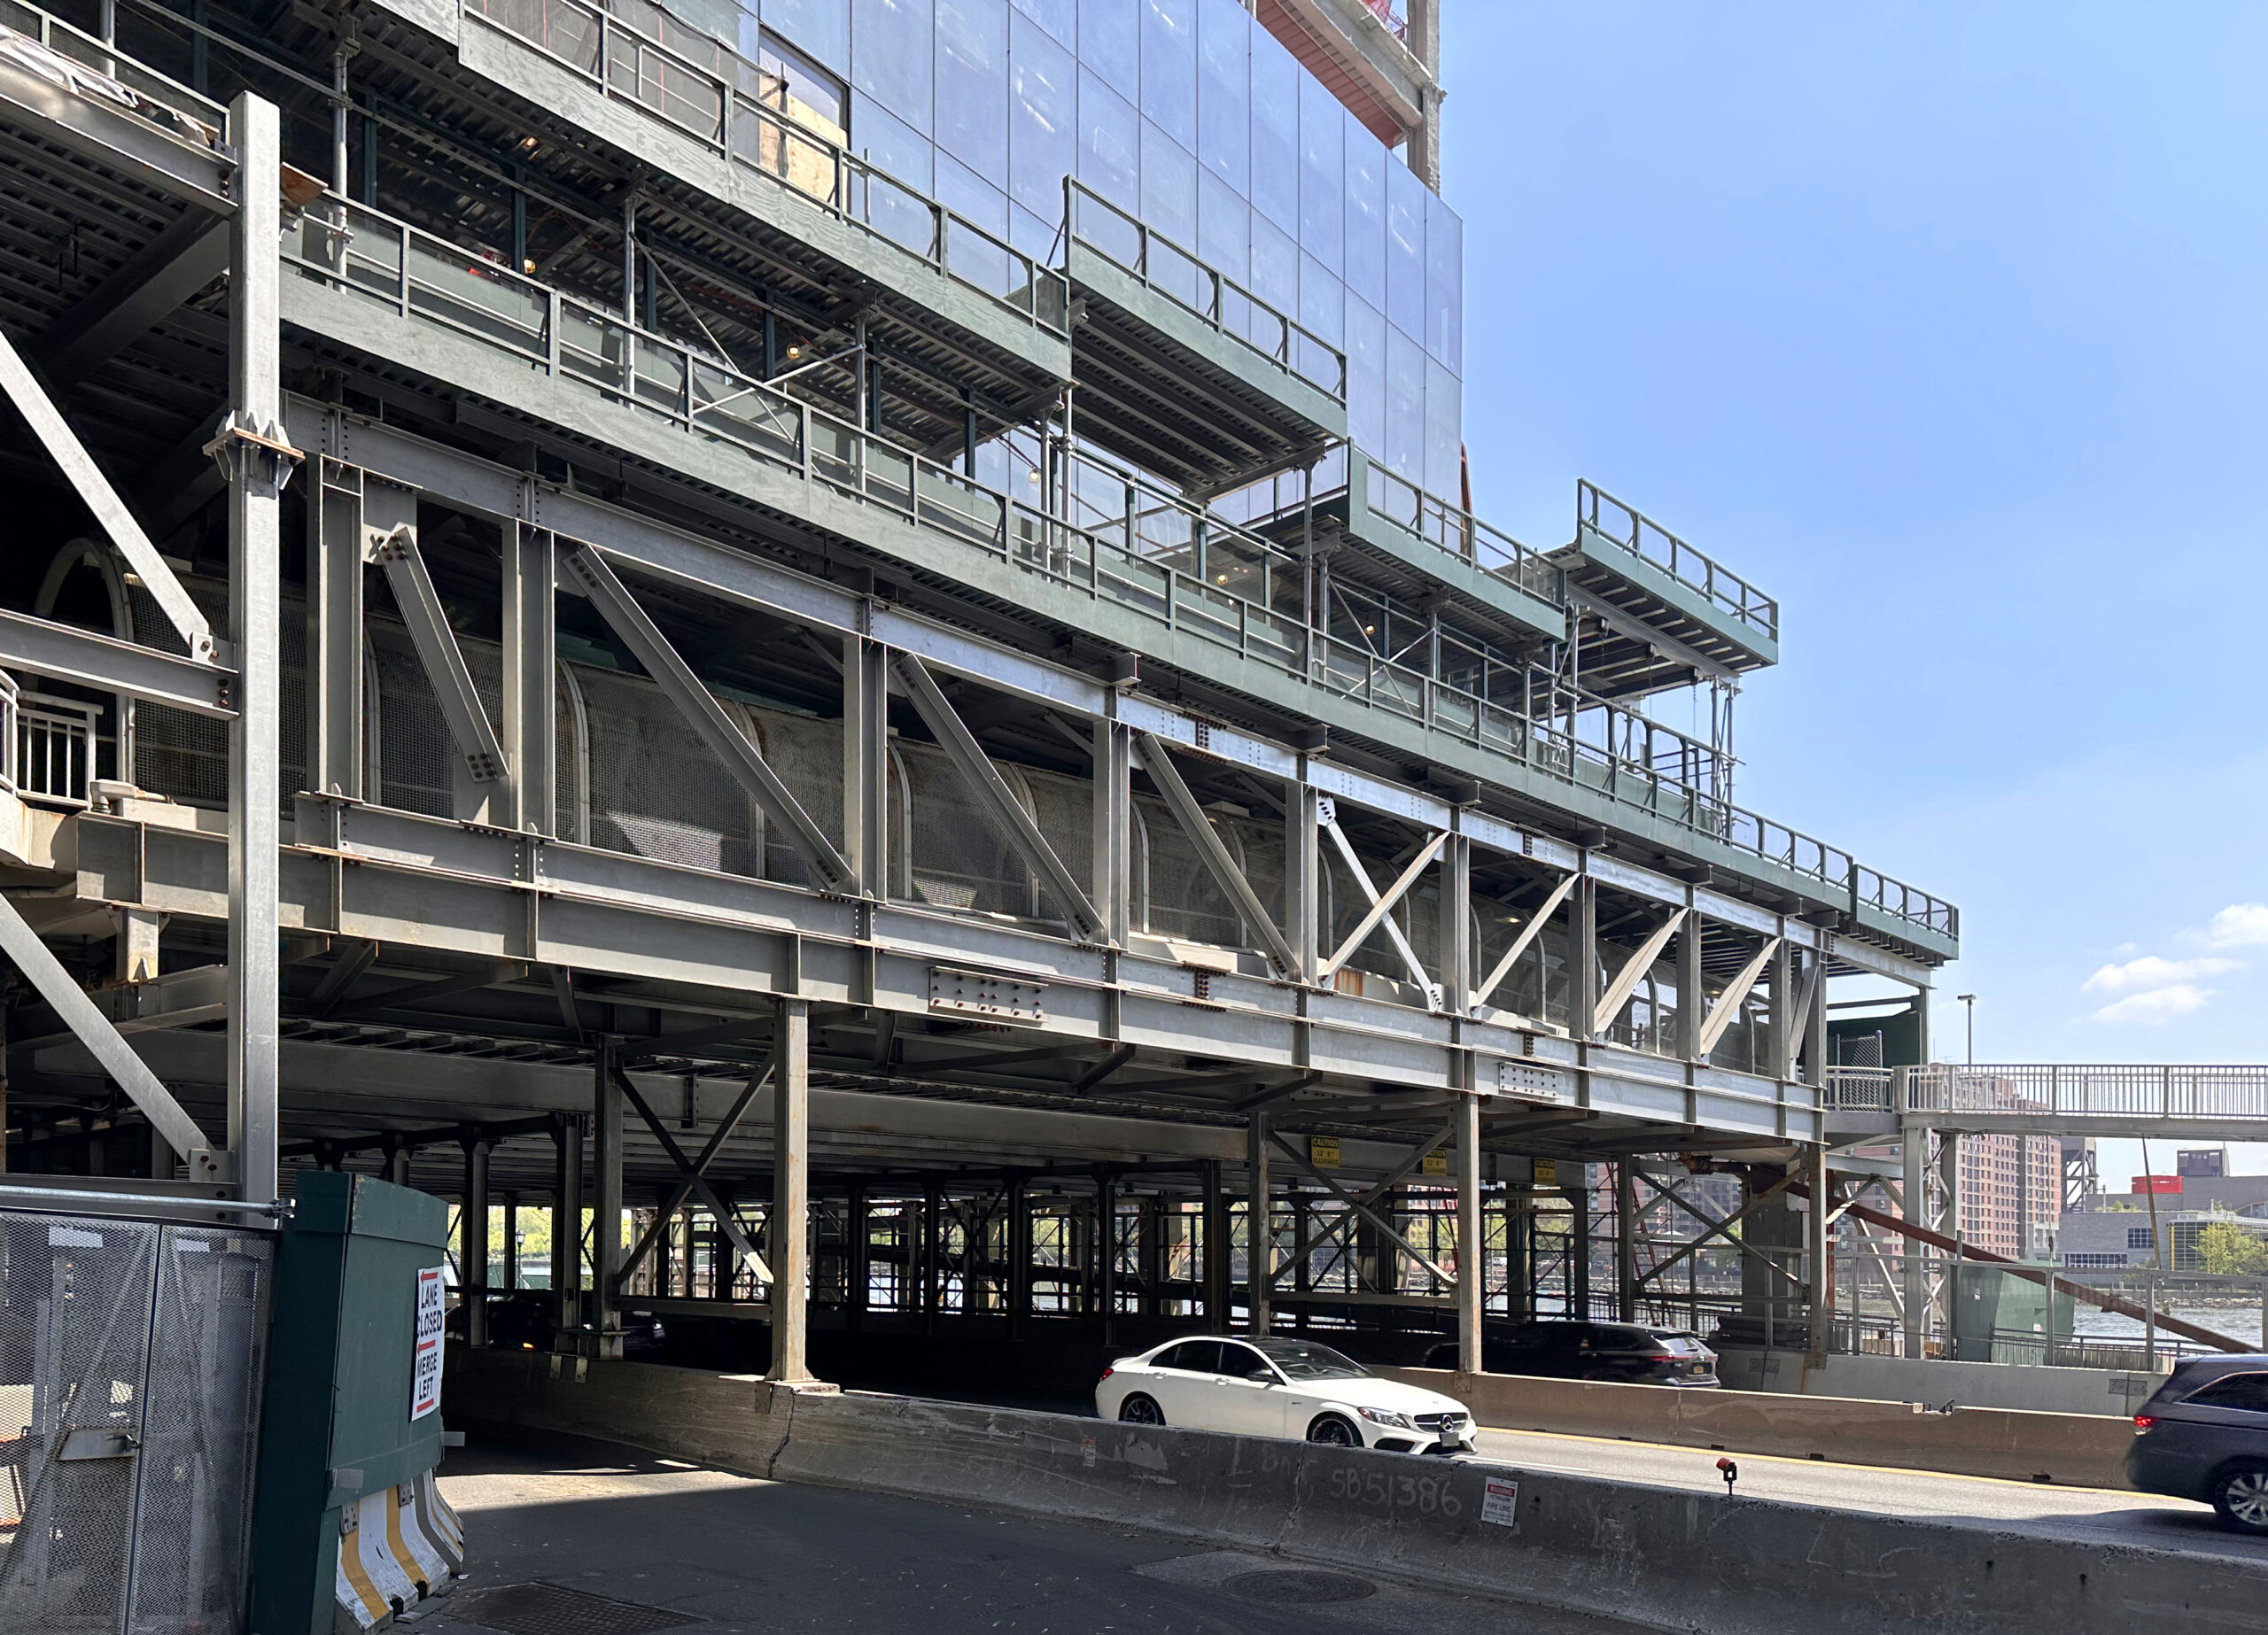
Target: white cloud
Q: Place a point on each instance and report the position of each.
(2157, 1004)
(2240, 925)
(2151, 972)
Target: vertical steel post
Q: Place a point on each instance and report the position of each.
(1260, 1239)
(792, 1148)
(530, 680)
(866, 760)
(1303, 875)
(250, 447)
(472, 1240)
(1780, 1061)
(1112, 885)
(1816, 1028)
(1582, 958)
(857, 1270)
(1626, 1238)
(1916, 1278)
(606, 1213)
(1819, 1268)
(1471, 1236)
(1691, 1002)
(1018, 1249)
(1106, 1251)
(1456, 927)
(1215, 1246)
(511, 1240)
(933, 1250)
(335, 754)
(567, 1221)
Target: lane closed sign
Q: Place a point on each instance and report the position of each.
(425, 1361)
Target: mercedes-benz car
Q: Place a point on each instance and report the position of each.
(1280, 1388)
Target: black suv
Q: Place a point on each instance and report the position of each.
(2204, 1435)
(1630, 1352)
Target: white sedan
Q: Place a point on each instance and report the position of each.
(1280, 1388)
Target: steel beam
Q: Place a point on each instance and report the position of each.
(66, 653)
(136, 296)
(1381, 908)
(694, 1177)
(100, 1036)
(1215, 856)
(992, 793)
(1726, 1010)
(707, 717)
(97, 494)
(451, 677)
(1633, 971)
(1527, 937)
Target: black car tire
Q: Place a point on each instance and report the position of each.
(1140, 1410)
(2240, 1498)
(1332, 1430)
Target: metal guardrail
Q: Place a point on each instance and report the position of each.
(412, 273)
(55, 741)
(2058, 1093)
(94, 66)
(710, 104)
(1639, 534)
(1163, 265)
(1462, 535)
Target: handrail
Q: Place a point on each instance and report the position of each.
(2059, 1092)
(712, 108)
(1178, 273)
(195, 118)
(1639, 534)
(1461, 534)
(417, 275)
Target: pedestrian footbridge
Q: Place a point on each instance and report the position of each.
(2181, 1101)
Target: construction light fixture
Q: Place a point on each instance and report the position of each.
(1971, 1001)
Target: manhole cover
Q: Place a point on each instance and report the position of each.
(554, 1610)
(1292, 1585)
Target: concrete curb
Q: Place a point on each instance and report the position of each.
(1662, 1557)
(2018, 1445)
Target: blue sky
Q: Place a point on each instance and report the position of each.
(1944, 325)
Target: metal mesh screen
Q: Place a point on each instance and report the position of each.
(415, 751)
(955, 856)
(178, 754)
(808, 756)
(193, 1518)
(1181, 899)
(655, 789)
(74, 1337)
(1065, 810)
(568, 771)
(1263, 849)
(131, 1358)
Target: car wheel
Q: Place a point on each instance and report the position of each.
(2241, 1499)
(1333, 1431)
(1140, 1410)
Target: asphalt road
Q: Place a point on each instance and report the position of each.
(744, 1557)
(2084, 1514)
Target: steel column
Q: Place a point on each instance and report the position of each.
(530, 680)
(1260, 1239)
(865, 761)
(1303, 874)
(567, 1222)
(1114, 829)
(335, 704)
(1215, 1246)
(1626, 1239)
(250, 447)
(1916, 1142)
(606, 1214)
(1471, 1237)
(472, 1242)
(1691, 1000)
(790, 1224)
(1582, 960)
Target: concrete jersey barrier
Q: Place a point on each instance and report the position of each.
(1663, 1557)
(2077, 1449)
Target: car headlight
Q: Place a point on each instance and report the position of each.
(1387, 1417)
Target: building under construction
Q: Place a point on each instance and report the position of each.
(831, 662)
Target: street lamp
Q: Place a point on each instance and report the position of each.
(1971, 1001)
